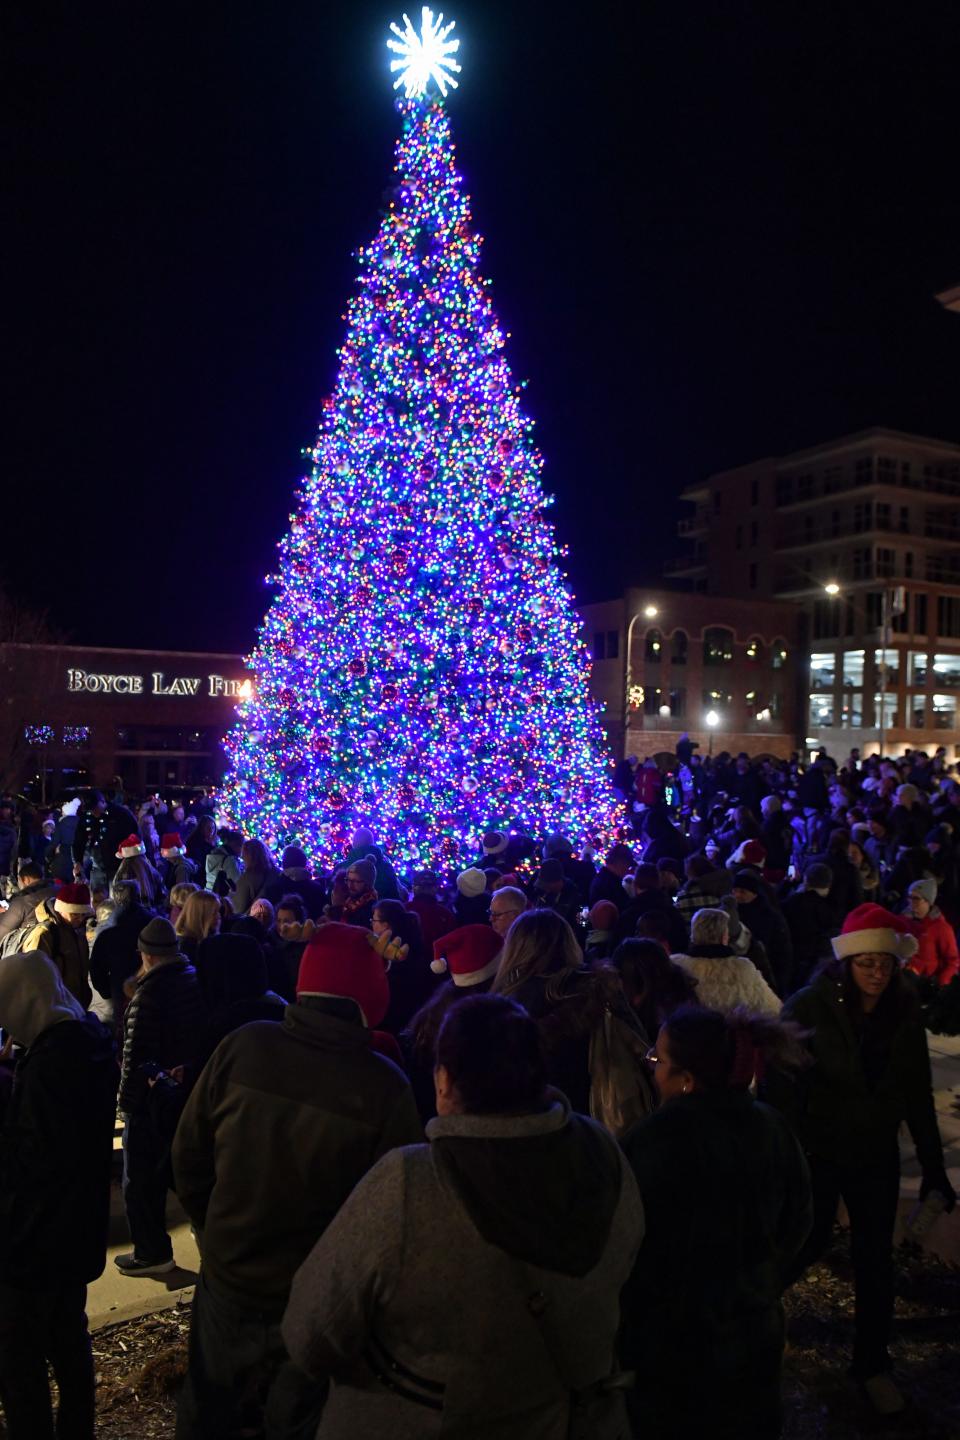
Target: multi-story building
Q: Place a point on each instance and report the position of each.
(863, 534)
(665, 662)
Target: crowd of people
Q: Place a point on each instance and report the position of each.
(510, 1150)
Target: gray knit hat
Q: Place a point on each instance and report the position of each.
(925, 888)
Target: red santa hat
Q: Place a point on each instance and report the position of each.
(171, 846)
(471, 954)
(340, 963)
(72, 900)
(870, 929)
(130, 847)
(751, 852)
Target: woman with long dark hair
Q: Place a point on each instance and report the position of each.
(726, 1195)
(871, 1072)
(653, 984)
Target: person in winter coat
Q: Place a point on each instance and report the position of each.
(554, 891)
(134, 865)
(223, 866)
(871, 1073)
(936, 958)
(385, 880)
(32, 890)
(317, 1107)
(436, 919)
(9, 845)
(470, 955)
(101, 828)
(360, 898)
(60, 853)
(295, 879)
(176, 867)
(519, 1208)
(704, 886)
(115, 956)
(161, 1040)
(650, 896)
(199, 843)
(811, 920)
(601, 927)
(56, 1147)
(60, 933)
(724, 980)
(763, 918)
(259, 874)
(410, 979)
(232, 973)
(726, 1196)
(608, 883)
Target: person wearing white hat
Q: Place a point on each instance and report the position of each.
(871, 1073)
(472, 904)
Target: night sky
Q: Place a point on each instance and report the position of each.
(715, 231)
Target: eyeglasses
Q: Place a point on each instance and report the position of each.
(874, 967)
(502, 914)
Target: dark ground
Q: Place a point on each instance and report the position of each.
(139, 1364)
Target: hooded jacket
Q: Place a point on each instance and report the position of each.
(56, 1143)
(421, 1299)
(23, 905)
(316, 1107)
(66, 946)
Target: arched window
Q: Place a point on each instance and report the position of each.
(754, 650)
(654, 647)
(678, 649)
(718, 646)
(778, 653)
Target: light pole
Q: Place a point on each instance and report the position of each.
(649, 612)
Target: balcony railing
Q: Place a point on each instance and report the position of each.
(889, 479)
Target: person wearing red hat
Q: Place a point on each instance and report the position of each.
(871, 1073)
(176, 867)
(60, 933)
(316, 1106)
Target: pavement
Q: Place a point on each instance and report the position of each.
(115, 1297)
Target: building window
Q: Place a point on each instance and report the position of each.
(944, 712)
(908, 565)
(852, 668)
(851, 715)
(821, 711)
(678, 704)
(890, 658)
(678, 654)
(775, 705)
(653, 649)
(887, 704)
(739, 537)
(753, 575)
(599, 645)
(862, 516)
(75, 737)
(39, 735)
(754, 650)
(946, 671)
(917, 673)
(652, 700)
(804, 487)
(826, 619)
(862, 564)
(920, 613)
(883, 515)
(613, 644)
(823, 669)
(918, 712)
(717, 700)
(718, 646)
(886, 563)
(754, 492)
(948, 616)
(754, 532)
(778, 654)
(873, 609)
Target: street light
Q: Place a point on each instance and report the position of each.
(651, 612)
(712, 720)
(832, 588)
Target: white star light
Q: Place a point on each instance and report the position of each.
(424, 57)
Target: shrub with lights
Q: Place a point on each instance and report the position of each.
(420, 669)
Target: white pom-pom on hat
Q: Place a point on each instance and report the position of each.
(439, 966)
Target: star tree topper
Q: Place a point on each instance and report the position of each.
(424, 57)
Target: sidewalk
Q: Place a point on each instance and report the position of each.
(115, 1297)
(944, 1238)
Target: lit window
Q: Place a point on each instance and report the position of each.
(885, 710)
(853, 667)
(890, 658)
(821, 711)
(946, 670)
(917, 671)
(823, 669)
(944, 712)
(778, 657)
(654, 646)
(718, 646)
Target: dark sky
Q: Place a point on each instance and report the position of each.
(715, 231)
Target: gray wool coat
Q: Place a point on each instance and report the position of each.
(402, 1282)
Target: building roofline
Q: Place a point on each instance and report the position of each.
(117, 650)
(860, 437)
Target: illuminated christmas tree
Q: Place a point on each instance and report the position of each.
(420, 669)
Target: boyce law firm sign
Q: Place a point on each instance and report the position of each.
(156, 683)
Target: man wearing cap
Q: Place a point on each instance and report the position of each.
(295, 879)
(317, 1107)
(162, 1033)
(176, 868)
(60, 933)
(554, 891)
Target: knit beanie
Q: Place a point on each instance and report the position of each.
(746, 880)
(603, 915)
(158, 937)
(871, 928)
(72, 900)
(472, 882)
(471, 954)
(558, 846)
(550, 872)
(340, 963)
(925, 888)
(366, 869)
(293, 858)
(130, 847)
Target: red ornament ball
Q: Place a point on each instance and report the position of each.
(336, 797)
(363, 594)
(475, 605)
(399, 560)
(427, 470)
(389, 693)
(524, 634)
(287, 698)
(505, 445)
(321, 744)
(406, 795)
(449, 848)
(496, 478)
(357, 667)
